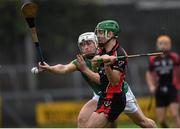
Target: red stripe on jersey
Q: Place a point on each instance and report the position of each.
(104, 109)
(115, 53)
(152, 59)
(116, 88)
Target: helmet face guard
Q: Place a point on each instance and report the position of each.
(88, 36)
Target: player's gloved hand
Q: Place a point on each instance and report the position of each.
(81, 63)
(43, 67)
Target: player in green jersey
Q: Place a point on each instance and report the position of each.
(87, 44)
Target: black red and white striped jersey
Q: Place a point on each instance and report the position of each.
(119, 65)
(166, 69)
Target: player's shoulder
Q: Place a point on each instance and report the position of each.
(121, 51)
(175, 57)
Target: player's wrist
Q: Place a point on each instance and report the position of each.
(85, 70)
(49, 69)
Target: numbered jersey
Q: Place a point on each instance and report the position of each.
(166, 69)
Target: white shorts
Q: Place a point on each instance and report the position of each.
(131, 104)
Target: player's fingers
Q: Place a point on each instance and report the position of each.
(78, 59)
(39, 64)
(43, 65)
(81, 57)
(113, 59)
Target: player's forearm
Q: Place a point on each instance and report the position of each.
(113, 76)
(58, 69)
(92, 75)
(150, 79)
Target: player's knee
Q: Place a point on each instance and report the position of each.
(82, 122)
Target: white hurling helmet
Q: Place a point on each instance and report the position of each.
(88, 36)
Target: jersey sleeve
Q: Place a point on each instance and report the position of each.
(151, 63)
(74, 62)
(120, 64)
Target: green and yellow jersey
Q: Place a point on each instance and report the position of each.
(93, 85)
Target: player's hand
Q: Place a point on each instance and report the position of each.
(81, 63)
(95, 62)
(43, 66)
(103, 59)
(108, 59)
(152, 89)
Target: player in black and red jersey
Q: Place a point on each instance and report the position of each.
(162, 79)
(112, 100)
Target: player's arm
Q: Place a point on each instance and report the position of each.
(151, 76)
(151, 81)
(92, 75)
(113, 75)
(59, 68)
(84, 69)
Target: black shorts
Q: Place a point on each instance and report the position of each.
(112, 107)
(164, 99)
